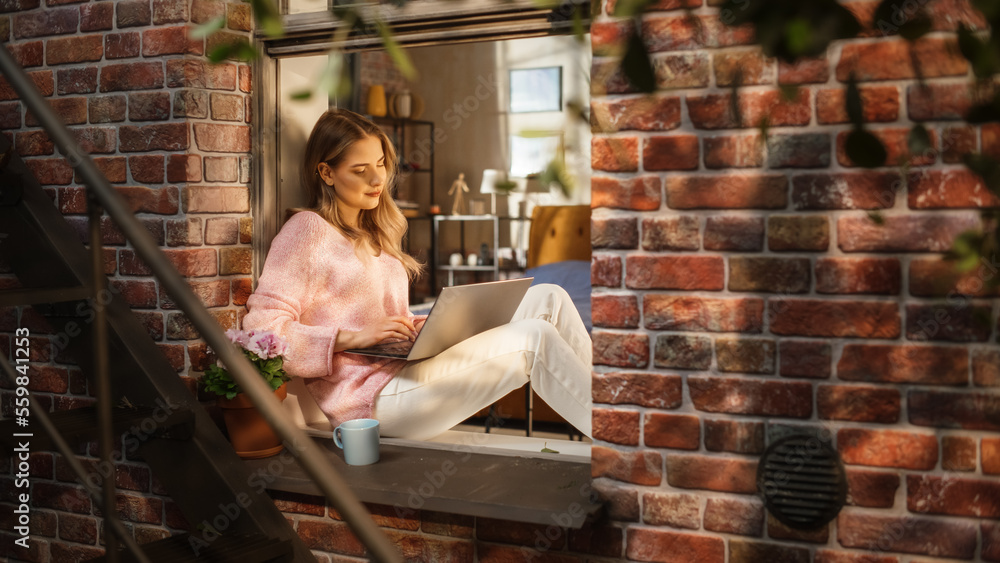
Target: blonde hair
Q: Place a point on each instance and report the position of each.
(381, 228)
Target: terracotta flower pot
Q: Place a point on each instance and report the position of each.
(251, 435)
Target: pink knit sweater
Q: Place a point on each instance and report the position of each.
(313, 285)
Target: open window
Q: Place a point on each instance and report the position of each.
(499, 91)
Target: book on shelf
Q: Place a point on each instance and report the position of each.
(409, 208)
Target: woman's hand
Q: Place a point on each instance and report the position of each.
(394, 328)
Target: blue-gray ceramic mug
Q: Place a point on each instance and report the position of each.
(359, 440)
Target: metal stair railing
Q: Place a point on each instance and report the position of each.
(307, 453)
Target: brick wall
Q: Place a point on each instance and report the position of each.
(749, 288)
(742, 290)
(171, 133)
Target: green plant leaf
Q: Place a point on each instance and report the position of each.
(268, 18)
(240, 50)
(865, 149)
(636, 64)
(397, 53)
(876, 217)
(916, 27)
(966, 250)
(985, 112)
(208, 28)
(987, 168)
(979, 54)
(631, 8)
(798, 36)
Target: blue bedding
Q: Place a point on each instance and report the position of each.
(571, 275)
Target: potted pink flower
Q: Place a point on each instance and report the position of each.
(251, 435)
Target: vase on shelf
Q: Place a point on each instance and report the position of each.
(376, 101)
(403, 103)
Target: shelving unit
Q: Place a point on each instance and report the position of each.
(442, 264)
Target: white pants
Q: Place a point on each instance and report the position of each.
(545, 343)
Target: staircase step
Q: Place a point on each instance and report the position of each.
(80, 425)
(234, 548)
(35, 296)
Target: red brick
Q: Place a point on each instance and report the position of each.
(214, 293)
(184, 168)
(743, 516)
(661, 430)
(745, 355)
(878, 103)
(66, 498)
(743, 68)
(676, 152)
(187, 73)
(956, 142)
(990, 137)
(10, 115)
(621, 502)
(222, 138)
(28, 54)
(612, 232)
(674, 312)
(80, 529)
(220, 169)
(727, 192)
(238, 17)
(216, 199)
(191, 103)
(51, 21)
(245, 75)
(903, 233)
(226, 107)
(173, 40)
(947, 15)
(162, 201)
(241, 290)
(138, 294)
(74, 81)
(752, 397)
(684, 70)
(97, 16)
(925, 365)
(646, 544)
(131, 76)
(943, 409)
(646, 113)
(935, 102)
(643, 389)
(133, 13)
(735, 436)
(640, 468)
(958, 453)
(896, 146)
(986, 367)
(113, 168)
(774, 275)
(691, 471)
(670, 509)
(615, 311)
(604, 540)
(804, 71)
(935, 277)
(42, 80)
(682, 352)
(857, 403)
(148, 106)
(160, 136)
(170, 11)
(864, 190)
(221, 230)
(146, 168)
(712, 111)
(991, 456)
(95, 139)
(936, 189)
(770, 107)
(50, 171)
(670, 33)
(908, 534)
(991, 541)
(49, 379)
(807, 150)
(956, 322)
(615, 154)
(616, 426)
(727, 232)
(858, 275)
(893, 60)
(734, 151)
(193, 262)
(887, 448)
(872, 489)
(642, 193)
(670, 233)
(329, 536)
(742, 551)
(606, 271)
(800, 232)
(107, 109)
(33, 143)
(77, 49)
(675, 272)
(622, 350)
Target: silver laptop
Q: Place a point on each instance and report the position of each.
(460, 312)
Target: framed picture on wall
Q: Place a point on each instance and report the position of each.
(531, 153)
(536, 89)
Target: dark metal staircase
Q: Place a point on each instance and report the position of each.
(138, 392)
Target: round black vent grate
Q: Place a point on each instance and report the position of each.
(802, 481)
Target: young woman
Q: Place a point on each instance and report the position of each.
(336, 278)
